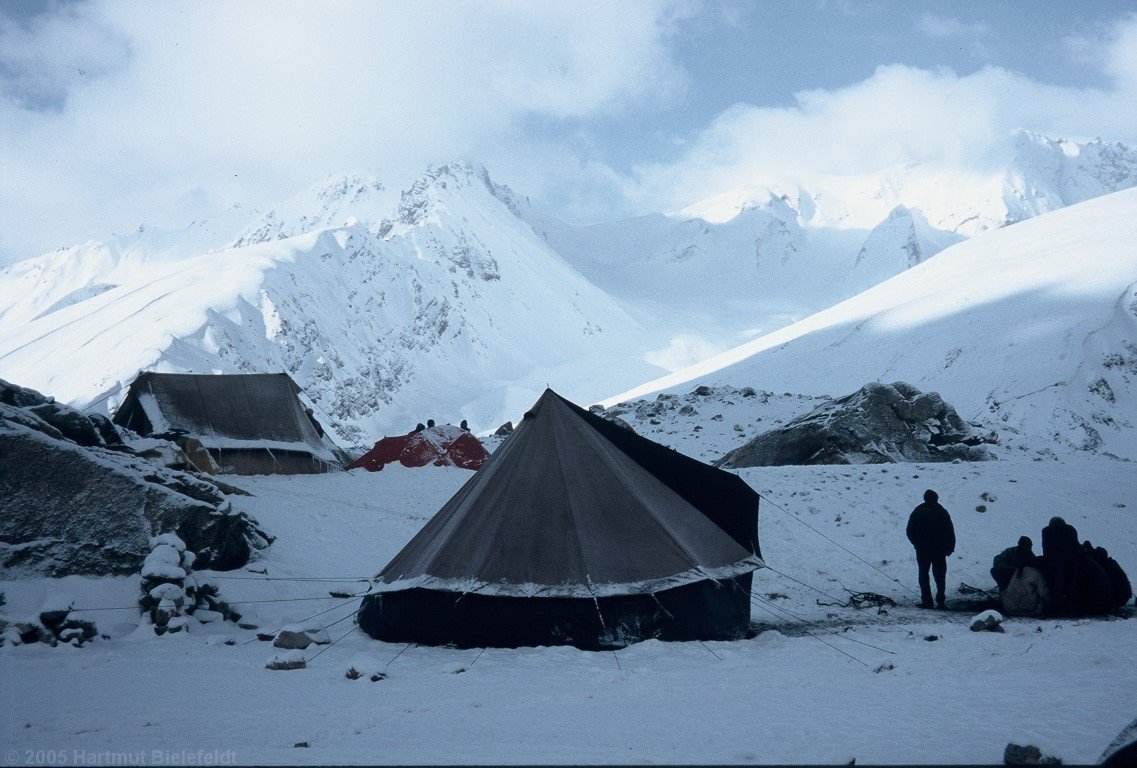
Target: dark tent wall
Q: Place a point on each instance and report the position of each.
(702, 610)
(563, 537)
(251, 424)
(725, 498)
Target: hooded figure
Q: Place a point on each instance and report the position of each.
(1122, 590)
(1061, 551)
(1095, 593)
(932, 534)
(1010, 560)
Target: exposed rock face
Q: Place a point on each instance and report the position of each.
(76, 503)
(880, 423)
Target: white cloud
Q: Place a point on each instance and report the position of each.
(251, 101)
(899, 114)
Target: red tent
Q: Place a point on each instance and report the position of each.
(443, 446)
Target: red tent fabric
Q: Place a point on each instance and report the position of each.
(443, 446)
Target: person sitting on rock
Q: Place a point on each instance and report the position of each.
(1095, 592)
(932, 534)
(1120, 587)
(1010, 560)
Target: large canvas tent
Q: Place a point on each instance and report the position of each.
(251, 424)
(576, 531)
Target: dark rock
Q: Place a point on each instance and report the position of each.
(29, 633)
(106, 429)
(72, 424)
(53, 620)
(703, 390)
(76, 632)
(877, 424)
(504, 429)
(1029, 754)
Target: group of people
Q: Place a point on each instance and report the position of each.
(1067, 579)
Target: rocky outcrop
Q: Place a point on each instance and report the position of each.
(879, 423)
(77, 501)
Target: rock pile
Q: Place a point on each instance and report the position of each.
(880, 423)
(171, 593)
(55, 626)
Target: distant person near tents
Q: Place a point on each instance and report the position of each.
(932, 534)
(1007, 562)
(1061, 552)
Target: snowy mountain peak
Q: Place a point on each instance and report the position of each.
(441, 187)
(896, 233)
(1047, 174)
(328, 203)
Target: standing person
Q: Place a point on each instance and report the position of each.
(932, 534)
(1061, 551)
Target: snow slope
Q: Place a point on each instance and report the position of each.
(1033, 327)
(453, 309)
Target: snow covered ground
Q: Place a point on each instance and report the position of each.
(782, 696)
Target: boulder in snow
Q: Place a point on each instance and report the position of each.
(292, 640)
(988, 621)
(879, 423)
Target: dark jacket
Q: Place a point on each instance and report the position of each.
(930, 530)
(1007, 562)
(1119, 582)
(1060, 544)
(1095, 593)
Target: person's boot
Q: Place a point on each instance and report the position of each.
(940, 604)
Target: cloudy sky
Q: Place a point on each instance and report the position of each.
(117, 113)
